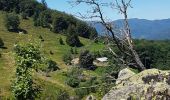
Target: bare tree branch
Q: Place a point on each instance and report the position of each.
(123, 42)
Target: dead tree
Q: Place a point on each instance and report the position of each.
(123, 43)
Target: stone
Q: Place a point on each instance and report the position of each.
(124, 75)
(146, 85)
(91, 97)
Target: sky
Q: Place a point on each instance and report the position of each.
(142, 9)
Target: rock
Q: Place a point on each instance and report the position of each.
(21, 32)
(146, 85)
(91, 97)
(123, 75)
(75, 61)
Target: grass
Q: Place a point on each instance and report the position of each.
(51, 44)
(7, 70)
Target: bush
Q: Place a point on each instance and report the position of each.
(45, 18)
(59, 24)
(82, 92)
(75, 72)
(12, 22)
(24, 15)
(74, 77)
(41, 38)
(73, 51)
(52, 65)
(27, 57)
(67, 58)
(61, 41)
(86, 60)
(62, 95)
(73, 82)
(1, 43)
(72, 38)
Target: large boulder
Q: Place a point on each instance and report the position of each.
(147, 85)
(124, 75)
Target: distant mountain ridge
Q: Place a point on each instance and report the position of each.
(144, 29)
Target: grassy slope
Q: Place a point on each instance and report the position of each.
(50, 44)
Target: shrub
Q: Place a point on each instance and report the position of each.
(86, 60)
(72, 38)
(82, 92)
(67, 58)
(27, 57)
(1, 43)
(24, 15)
(45, 18)
(61, 41)
(59, 24)
(62, 95)
(12, 22)
(74, 77)
(73, 82)
(72, 51)
(75, 51)
(75, 72)
(41, 38)
(52, 65)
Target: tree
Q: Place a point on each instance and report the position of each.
(93, 34)
(27, 57)
(67, 58)
(123, 40)
(44, 3)
(12, 22)
(45, 18)
(52, 65)
(83, 29)
(86, 60)
(28, 7)
(24, 15)
(59, 24)
(72, 37)
(1, 43)
(61, 41)
(9, 5)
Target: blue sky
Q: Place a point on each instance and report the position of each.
(143, 9)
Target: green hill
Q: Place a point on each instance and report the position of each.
(50, 44)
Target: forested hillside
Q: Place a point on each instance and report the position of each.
(46, 54)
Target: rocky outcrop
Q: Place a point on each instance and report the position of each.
(124, 75)
(146, 85)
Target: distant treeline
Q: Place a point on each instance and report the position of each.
(154, 54)
(56, 21)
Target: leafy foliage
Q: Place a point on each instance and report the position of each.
(59, 24)
(27, 57)
(24, 15)
(43, 16)
(74, 77)
(61, 41)
(12, 22)
(67, 58)
(62, 95)
(73, 82)
(72, 38)
(154, 54)
(52, 65)
(84, 30)
(86, 60)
